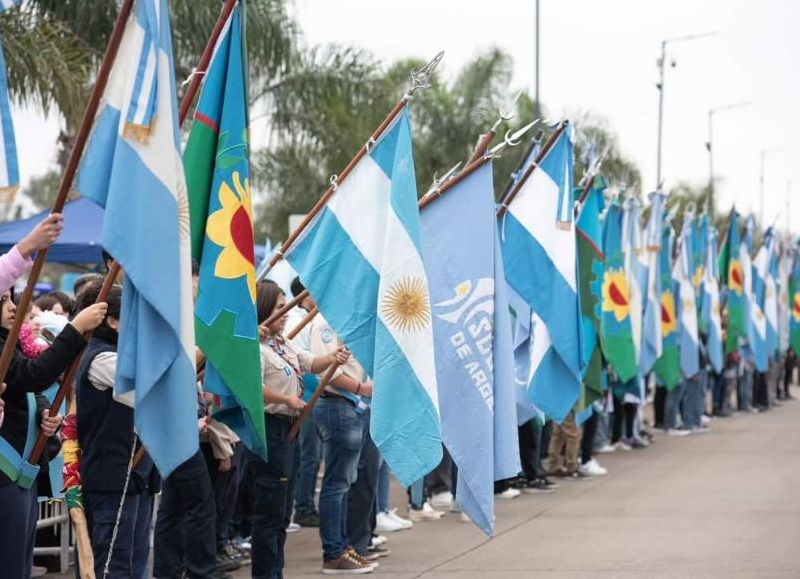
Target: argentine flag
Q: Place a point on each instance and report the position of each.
(755, 320)
(132, 167)
(784, 311)
(652, 349)
(687, 317)
(9, 167)
(539, 254)
(710, 303)
(361, 259)
(765, 288)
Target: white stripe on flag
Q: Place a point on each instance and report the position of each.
(536, 208)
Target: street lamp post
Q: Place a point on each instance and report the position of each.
(764, 154)
(710, 144)
(660, 86)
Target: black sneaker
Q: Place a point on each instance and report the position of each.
(225, 563)
(536, 486)
(308, 520)
(548, 483)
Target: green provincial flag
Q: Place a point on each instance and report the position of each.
(217, 168)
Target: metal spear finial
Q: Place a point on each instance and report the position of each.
(421, 79)
(511, 139)
(439, 181)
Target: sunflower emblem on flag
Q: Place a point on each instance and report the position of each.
(796, 307)
(735, 277)
(405, 305)
(615, 294)
(668, 319)
(231, 227)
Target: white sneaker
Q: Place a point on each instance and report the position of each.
(623, 446)
(701, 430)
(606, 449)
(384, 523)
(404, 523)
(509, 493)
(678, 432)
(592, 468)
(379, 540)
(293, 528)
(705, 420)
(425, 514)
(442, 500)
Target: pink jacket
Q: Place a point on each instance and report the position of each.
(12, 265)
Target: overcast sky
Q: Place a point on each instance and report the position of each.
(601, 56)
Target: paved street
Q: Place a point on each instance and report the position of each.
(724, 504)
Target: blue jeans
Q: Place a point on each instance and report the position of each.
(340, 429)
(675, 400)
(361, 497)
(383, 500)
(310, 457)
(274, 487)
(745, 390)
(132, 546)
(694, 403)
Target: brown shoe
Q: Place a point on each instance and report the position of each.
(347, 564)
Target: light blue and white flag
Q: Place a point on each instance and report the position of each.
(9, 167)
(539, 255)
(521, 322)
(651, 349)
(687, 310)
(635, 268)
(710, 304)
(472, 337)
(755, 320)
(784, 309)
(361, 259)
(133, 168)
(765, 288)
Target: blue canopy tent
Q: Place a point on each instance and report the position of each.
(81, 240)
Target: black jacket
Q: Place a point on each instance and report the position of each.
(33, 375)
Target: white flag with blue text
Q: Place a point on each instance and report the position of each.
(472, 336)
(687, 313)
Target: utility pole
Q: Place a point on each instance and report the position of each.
(660, 86)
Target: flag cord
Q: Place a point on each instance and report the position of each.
(121, 507)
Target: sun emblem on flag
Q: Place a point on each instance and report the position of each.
(698, 276)
(668, 321)
(615, 294)
(796, 307)
(405, 305)
(183, 212)
(735, 277)
(231, 227)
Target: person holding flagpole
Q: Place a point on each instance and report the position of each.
(282, 369)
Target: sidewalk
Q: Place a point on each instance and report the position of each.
(723, 504)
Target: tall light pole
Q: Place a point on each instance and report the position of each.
(660, 86)
(764, 154)
(710, 144)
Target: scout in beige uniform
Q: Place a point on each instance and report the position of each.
(282, 367)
